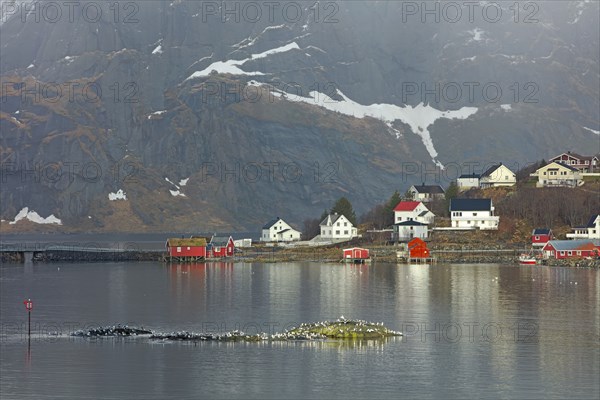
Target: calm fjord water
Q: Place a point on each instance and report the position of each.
(471, 331)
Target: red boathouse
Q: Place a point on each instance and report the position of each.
(356, 254)
(186, 249)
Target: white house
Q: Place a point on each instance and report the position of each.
(412, 211)
(473, 214)
(589, 231)
(336, 226)
(426, 193)
(497, 175)
(277, 230)
(408, 230)
(465, 182)
(558, 174)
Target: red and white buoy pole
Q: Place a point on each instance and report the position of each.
(29, 306)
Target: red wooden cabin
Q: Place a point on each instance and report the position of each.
(417, 248)
(184, 249)
(222, 246)
(356, 253)
(539, 237)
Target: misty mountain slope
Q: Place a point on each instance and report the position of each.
(279, 116)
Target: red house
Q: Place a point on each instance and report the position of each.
(186, 249)
(221, 246)
(356, 254)
(582, 163)
(560, 249)
(539, 237)
(417, 248)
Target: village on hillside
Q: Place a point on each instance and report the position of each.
(428, 210)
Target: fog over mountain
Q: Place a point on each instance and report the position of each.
(192, 115)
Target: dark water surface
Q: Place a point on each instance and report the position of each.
(471, 331)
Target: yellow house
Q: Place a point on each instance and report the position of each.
(558, 174)
(497, 175)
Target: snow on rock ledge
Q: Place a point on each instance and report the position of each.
(119, 195)
(35, 217)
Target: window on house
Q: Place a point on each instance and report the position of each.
(338, 224)
(345, 224)
(537, 238)
(570, 253)
(562, 253)
(337, 232)
(578, 252)
(474, 214)
(345, 232)
(179, 249)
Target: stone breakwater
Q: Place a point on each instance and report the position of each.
(342, 328)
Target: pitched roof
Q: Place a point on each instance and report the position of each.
(574, 155)
(272, 222)
(541, 231)
(219, 240)
(334, 218)
(565, 245)
(470, 205)
(469, 176)
(406, 205)
(411, 223)
(592, 221)
(193, 242)
(490, 170)
(431, 189)
(561, 164)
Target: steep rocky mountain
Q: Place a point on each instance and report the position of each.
(196, 115)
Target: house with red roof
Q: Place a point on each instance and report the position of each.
(413, 211)
(411, 220)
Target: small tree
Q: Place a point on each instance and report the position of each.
(451, 193)
(389, 208)
(344, 207)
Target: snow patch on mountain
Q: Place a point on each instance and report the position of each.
(35, 217)
(419, 117)
(233, 66)
(118, 195)
(591, 130)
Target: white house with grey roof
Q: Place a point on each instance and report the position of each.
(473, 214)
(337, 226)
(426, 193)
(277, 230)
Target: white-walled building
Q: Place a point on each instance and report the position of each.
(408, 230)
(466, 182)
(336, 226)
(426, 193)
(558, 174)
(277, 230)
(589, 231)
(473, 214)
(412, 211)
(497, 175)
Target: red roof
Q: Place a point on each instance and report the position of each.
(407, 205)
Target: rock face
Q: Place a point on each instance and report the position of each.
(205, 115)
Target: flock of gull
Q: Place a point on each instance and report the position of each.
(342, 328)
